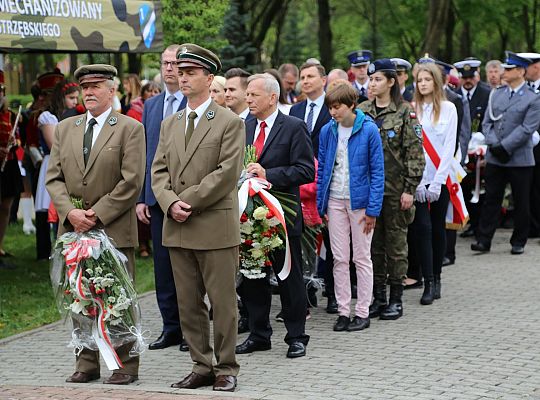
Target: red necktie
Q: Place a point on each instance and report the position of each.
(259, 143)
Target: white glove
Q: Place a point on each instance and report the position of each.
(433, 192)
(420, 195)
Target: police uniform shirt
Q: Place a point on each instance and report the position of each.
(199, 111)
(359, 87)
(178, 97)
(100, 123)
(269, 124)
(319, 102)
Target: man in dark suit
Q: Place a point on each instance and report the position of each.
(285, 159)
(312, 111)
(156, 109)
(477, 96)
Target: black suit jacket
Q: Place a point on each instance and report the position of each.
(478, 103)
(456, 100)
(287, 158)
(299, 111)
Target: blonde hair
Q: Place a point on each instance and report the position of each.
(438, 95)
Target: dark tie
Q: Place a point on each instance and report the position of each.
(468, 96)
(362, 92)
(169, 110)
(259, 143)
(309, 121)
(511, 93)
(87, 142)
(190, 126)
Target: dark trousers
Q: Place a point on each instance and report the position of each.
(451, 236)
(165, 288)
(497, 177)
(535, 196)
(257, 297)
(428, 234)
(43, 236)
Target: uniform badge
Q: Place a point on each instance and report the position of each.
(390, 134)
(180, 114)
(418, 130)
(210, 115)
(412, 114)
(112, 121)
(78, 122)
(371, 68)
(85, 150)
(183, 50)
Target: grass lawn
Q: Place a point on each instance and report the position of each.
(26, 297)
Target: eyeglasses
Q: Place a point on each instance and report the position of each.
(171, 64)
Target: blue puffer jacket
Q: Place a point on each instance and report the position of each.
(366, 165)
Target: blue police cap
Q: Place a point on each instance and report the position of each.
(513, 61)
(382, 65)
(401, 64)
(360, 57)
(534, 57)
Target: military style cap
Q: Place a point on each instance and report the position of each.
(534, 57)
(48, 80)
(95, 73)
(382, 65)
(467, 67)
(192, 56)
(426, 59)
(359, 57)
(401, 64)
(513, 61)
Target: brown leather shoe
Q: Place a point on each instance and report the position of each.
(120, 379)
(225, 383)
(82, 377)
(194, 381)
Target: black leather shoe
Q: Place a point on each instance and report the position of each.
(517, 249)
(331, 306)
(249, 346)
(468, 233)
(184, 346)
(243, 325)
(342, 323)
(167, 339)
(481, 247)
(394, 310)
(120, 379)
(358, 324)
(379, 301)
(446, 262)
(194, 381)
(296, 349)
(429, 293)
(415, 285)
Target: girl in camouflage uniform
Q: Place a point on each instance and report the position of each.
(404, 163)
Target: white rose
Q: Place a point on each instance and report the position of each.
(260, 213)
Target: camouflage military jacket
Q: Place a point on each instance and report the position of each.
(401, 135)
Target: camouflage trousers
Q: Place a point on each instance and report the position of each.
(389, 245)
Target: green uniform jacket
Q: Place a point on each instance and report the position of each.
(401, 135)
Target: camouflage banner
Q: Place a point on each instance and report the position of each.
(77, 25)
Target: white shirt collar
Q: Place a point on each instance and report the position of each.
(244, 114)
(199, 111)
(178, 94)
(319, 101)
(100, 120)
(465, 91)
(269, 122)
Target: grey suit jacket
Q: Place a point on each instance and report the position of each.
(511, 123)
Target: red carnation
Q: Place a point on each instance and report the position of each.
(248, 242)
(243, 217)
(268, 263)
(270, 214)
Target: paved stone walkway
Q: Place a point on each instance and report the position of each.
(480, 341)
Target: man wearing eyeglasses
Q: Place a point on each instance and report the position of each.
(156, 109)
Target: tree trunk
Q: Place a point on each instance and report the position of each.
(449, 45)
(465, 42)
(118, 63)
(73, 63)
(325, 35)
(49, 62)
(437, 21)
(276, 53)
(134, 63)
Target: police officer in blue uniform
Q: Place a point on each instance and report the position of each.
(512, 116)
(360, 60)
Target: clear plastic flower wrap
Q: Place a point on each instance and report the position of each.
(94, 291)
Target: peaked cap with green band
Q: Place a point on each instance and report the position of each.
(192, 56)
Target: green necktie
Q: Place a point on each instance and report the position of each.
(87, 143)
(190, 126)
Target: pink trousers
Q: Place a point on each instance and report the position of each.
(343, 222)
